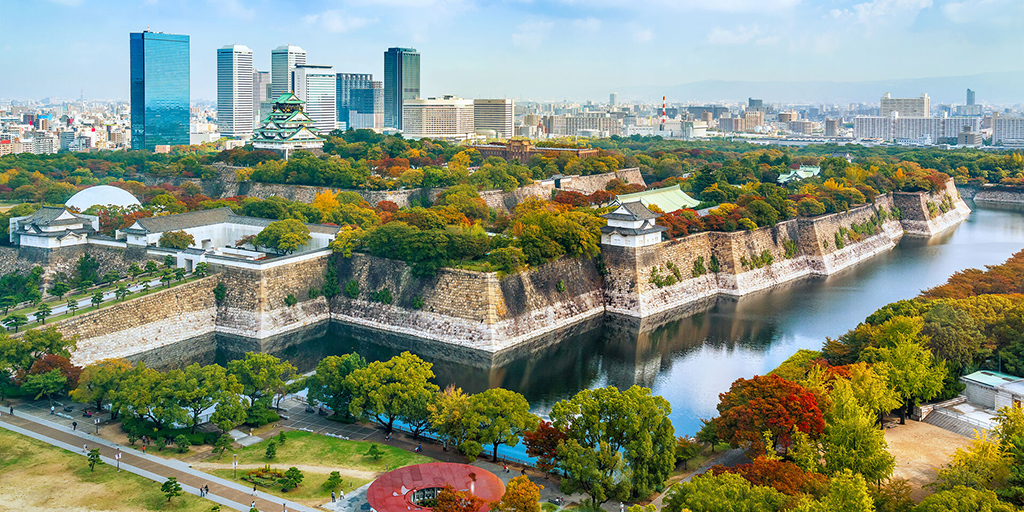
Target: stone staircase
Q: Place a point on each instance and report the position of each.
(954, 422)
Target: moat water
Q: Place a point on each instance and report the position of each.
(688, 356)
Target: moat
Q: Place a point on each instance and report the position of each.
(690, 355)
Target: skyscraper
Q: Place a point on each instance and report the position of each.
(261, 95)
(907, 107)
(316, 86)
(235, 116)
(494, 115)
(613, 99)
(970, 97)
(283, 60)
(401, 82)
(346, 82)
(367, 107)
(159, 89)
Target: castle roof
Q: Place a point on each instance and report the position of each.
(632, 211)
(668, 199)
(199, 218)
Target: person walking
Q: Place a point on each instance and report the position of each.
(74, 426)
(332, 497)
(252, 505)
(254, 489)
(12, 410)
(85, 448)
(51, 409)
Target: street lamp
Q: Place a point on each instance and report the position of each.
(117, 457)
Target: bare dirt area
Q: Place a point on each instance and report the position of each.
(921, 450)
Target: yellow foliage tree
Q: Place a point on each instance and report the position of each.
(326, 202)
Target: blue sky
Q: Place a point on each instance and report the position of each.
(531, 49)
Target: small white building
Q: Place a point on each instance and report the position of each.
(993, 390)
(631, 225)
(51, 227)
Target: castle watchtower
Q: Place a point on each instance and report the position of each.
(631, 225)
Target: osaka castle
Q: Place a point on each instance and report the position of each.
(288, 129)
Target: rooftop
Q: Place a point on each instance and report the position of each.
(394, 491)
(668, 199)
(990, 378)
(631, 211)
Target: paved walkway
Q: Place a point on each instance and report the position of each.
(224, 492)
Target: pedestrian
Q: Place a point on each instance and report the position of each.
(74, 426)
(252, 505)
(254, 489)
(12, 410)
(332, 497)
(51, 409)
(207, 489)
(621, 506)
(143, 448)
(523, 471)
(505, 466)
(85, 448)
(419, 447)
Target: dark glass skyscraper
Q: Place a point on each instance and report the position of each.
(159, 89)
(401, 82)
(346, 83)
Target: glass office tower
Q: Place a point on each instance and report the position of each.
(159, 89)
(401, 82)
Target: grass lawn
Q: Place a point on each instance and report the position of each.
(35, 476)
(309, 492)
(305, 448)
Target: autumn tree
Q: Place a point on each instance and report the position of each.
(847, 492)
(542, 444)
(448, 414)
(982, 466)
(386, 389)
(177, 240)
(872, 391)
(521, 495)
(851, 442)
(499, 416)
(964, 499)
(767, 403)
(783, 476)
(726, 492)
(450, 500)
(329, 386)
(910, 370)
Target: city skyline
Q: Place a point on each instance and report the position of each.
(532, 50)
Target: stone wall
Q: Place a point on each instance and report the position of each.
(144, 323)
(917, 218)
(634, 274)
(471, 309)
(64, 260)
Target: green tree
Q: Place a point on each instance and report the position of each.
(333, 481)
(499, 416)
(179, 274)
(72, 306)
(198, 388)
(982, 466)
(223, 444)
(99, 381)
(374, 452)
(15, 320)
(448, 414)
(610, 431)
(166, 279)
(271, 452)
(686, 449)
(45, 384)
(220, 292)
(909, 369)
(181, 440)
(727, 492)
(872, 391)
(151, 266)
(847, 492)
(260, 374)
(7, 303)
(171, 488)
(202, 269)
(964, 499)
(851, 442)
(329, 386)
(283, 236)
(177, 240)
(122, 292)
(94, 459)
(60, 288)
(294, 477)
(331, 287)
(42, 312)
(385, 389)
(97, 299)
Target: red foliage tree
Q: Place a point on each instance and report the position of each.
(601, 197)
(783, 476)
(50, 362)
(542, 443)
(574, 199)
(681, 222)
(387, 206)
(996, 279)
(450, 500)
(767, 403)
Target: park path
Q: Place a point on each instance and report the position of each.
(223, 492)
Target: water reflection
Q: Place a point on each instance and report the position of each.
(689, 355)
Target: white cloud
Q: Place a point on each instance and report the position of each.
(999, 12)
(740, 35)
(531, 34)
(335, 20)
(233, 9)
(588, 24)
(767, 41)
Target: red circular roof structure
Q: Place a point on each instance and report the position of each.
(394, 491)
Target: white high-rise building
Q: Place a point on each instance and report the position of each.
(316, 86)
(262, 103)
(235, 117)
(494, 115)
(283, 60)
(448, 118)
(907, 107)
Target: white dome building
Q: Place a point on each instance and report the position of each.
(102, 195)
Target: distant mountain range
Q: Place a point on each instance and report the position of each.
(1002, 87)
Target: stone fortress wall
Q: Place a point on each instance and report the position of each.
(491, 313)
